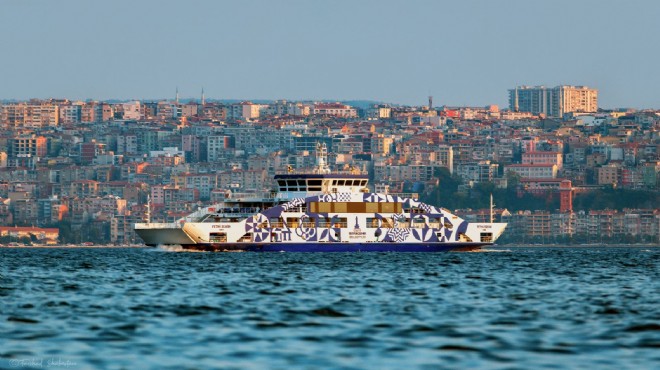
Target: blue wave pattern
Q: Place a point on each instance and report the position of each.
(145, 308)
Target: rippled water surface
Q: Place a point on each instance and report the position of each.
(149, 308)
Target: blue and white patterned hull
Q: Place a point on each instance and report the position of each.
(337, 247)
(341, 222)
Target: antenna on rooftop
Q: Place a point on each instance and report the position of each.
(430, 102)
(203, 99)
(177, 95)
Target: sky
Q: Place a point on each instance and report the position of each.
(463, 52)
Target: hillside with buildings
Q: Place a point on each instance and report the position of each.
(560, 169)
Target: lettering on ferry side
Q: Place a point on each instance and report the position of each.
(220, 226)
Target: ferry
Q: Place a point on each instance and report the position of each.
(322, 211)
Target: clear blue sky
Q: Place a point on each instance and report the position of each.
(462, 52)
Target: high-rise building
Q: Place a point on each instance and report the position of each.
(553, 102)
(34, 114)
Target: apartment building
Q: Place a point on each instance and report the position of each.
(553, 102)
(543, 158)
(535, 171)
(334, 109)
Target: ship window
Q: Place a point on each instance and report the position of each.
(487, 237)
(292, 222)
(418, 223)
(218, 237)
(341, 222)
(364, 183)
(309, 223)
(314, 182)
(371, 207)
(403, 223)
(372, 223)
(341, 182)
(324, 222)
(276, 222)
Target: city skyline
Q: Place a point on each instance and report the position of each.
(462, 53)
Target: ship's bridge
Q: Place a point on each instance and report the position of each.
(320, 179)
(303, 185)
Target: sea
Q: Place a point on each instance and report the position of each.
(502, 308)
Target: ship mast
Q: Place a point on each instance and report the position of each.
(149, 208)
(321, 159)
(491, 208)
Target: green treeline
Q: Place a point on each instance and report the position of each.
(447, 195)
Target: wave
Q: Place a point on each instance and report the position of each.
(173, 248)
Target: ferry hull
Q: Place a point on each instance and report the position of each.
(164, 236)
(337, 247)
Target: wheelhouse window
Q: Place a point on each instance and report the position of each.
(314, 185)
